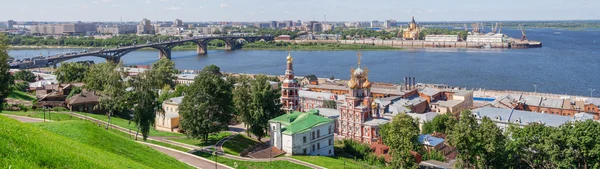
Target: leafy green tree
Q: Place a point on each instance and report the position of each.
(21, 86)
(434, 155)
(162, 73)
(214, 69)
(439, 123)
(209, 109)
(241, 97)
(145, 105)
(74, 90)
(577, 145)
(25, 75)
(71, 72)
(401, 135)
(106, 80)
(531, 145)
(492, 141)
(464, 137)
(6, 79)
(264, 105)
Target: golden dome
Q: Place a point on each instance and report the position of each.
(289, 58)
(352, 83)
(366, 84)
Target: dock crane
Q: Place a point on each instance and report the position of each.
(523, 35)
(500, 29)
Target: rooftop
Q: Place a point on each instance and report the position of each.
(525, 117)
(449, 103)
(428, 140)
(551, 102)
(175, 100)
(423, 117)
(377, 122)
(328, 112)
(186, 76)
(298, 122)
(429, 91)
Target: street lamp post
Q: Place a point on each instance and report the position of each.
(591, 92)
(44, 114)
(535, 88)
(215, 154)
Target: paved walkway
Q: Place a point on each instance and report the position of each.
(25, 119)
(192, 160)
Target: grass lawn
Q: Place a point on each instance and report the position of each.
(333, 162)
(237, 144)
(212, 139)
(26, 146)
(40, 114)
(16, 94)
(90, 134)
(125, 124)
(251, 165)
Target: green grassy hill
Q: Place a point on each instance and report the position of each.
(27, 146)
(88, 133)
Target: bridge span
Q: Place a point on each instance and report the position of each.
(164, 48)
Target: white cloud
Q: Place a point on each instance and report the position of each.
(252, 13)
(105, 1)
(84, 6)
(173, 8)
(286, 11)
(148, 2)
(200, 7)
(224, 6)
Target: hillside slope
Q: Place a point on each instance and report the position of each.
(26, 146)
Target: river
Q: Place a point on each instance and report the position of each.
(568, 63)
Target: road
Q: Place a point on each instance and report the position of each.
(25, 119)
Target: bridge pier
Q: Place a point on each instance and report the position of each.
(201, 49)
(113, 59)
(165, 53)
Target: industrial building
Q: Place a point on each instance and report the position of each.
(487, 38)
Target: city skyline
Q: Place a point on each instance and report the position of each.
(333, 10)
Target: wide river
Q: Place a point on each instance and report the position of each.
(568, 63)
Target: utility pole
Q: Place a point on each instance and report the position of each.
(535, 88)
(591, 92)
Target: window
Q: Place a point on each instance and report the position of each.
(329, 152)
(304, 139)
(318, 146)
(330, 140)
(313, 135)
(304, 151)
(318, 133)
(329, 130)
(313, 147)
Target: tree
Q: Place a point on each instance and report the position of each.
(241, 97)
(212, 69)
(145, 104)
(401, 135)
(578, 145)
(531, 145)
(74, 90)
(492, 154)
(209, 109)
(463, 136)
(6, 79)
(71, 72)
(264, 105)
(104, 79)
(440, 123)
(162, 73)
(24, 75)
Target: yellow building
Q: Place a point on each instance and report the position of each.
(412, 32)
(169, 120)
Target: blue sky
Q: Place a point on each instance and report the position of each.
(264, 10)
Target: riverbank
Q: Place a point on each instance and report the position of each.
(316, 47)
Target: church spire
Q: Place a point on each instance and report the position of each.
(359, 55)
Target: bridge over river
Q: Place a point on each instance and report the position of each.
(164, 48)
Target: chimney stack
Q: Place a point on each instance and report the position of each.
(414, 83)
(409, 83)
(405, 87)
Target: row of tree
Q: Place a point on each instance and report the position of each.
(216, 101)
(481, 144)
(122, 40)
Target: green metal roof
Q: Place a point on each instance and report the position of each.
(298, 122)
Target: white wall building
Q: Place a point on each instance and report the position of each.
(303, 133)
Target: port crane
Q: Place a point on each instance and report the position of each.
(523, 35)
